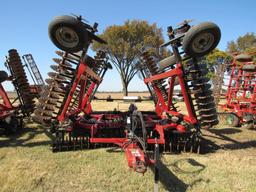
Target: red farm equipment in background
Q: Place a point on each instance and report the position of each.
(20, 82)
(64, 106)
(19, 104)
(10, 119)
(240, 106)
(35, 75)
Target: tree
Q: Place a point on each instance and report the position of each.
(125, 43)
(215, 56)
(214, 59)
(232, 47)
(243, 43)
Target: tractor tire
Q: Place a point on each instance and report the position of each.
(3, 76)
(68, 33)
(233, 120)
(201, 39)
(249, 68)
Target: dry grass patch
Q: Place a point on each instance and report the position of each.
(27, 164)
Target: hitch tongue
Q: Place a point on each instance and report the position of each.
(140, 166)
(135, 158)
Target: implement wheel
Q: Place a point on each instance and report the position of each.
(233, 120)
(3, 76)
(201, 39)
(13, 124)
(68, 33)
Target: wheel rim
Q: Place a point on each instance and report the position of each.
(203, 42)
(67, 37)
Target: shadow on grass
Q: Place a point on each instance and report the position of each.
(209, 146)
(23, 138)
(171, 182)
(226, 131)
(240, 145)
(198, 167)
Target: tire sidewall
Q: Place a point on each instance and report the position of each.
(70, 22)
(196, 31)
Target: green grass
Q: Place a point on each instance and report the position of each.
(27, 164)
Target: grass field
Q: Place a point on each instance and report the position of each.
(27, 164)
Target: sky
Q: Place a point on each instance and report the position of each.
(24, 24)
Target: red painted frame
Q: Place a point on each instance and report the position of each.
(240, 104)
(6, 108)
(162, 106)
(135, 155)
(83, 103)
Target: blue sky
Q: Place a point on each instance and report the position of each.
(24, 24)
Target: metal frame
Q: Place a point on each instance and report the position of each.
(240, 84)
(161, 105)
(6, 108)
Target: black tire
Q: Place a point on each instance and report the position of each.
(249, 68)
(243, 58)
(3, 76)
(20, 123)
(233, 120)
(68, 33)
(195, 42)
(167, 62)
(12, 125)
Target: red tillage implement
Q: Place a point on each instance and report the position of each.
(20, 82)
(13, 112)
(240, 106)
(10, 119)
(65, 106)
